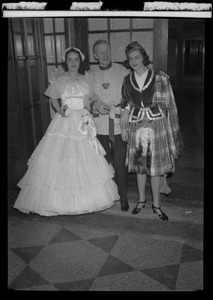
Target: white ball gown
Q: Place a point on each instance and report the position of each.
(67, 172)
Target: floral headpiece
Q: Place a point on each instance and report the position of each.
(73, 48)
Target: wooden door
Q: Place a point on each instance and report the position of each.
(28, 114)
(35, 47)
(16, 147)
(28, 109)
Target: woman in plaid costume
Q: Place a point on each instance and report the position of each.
(150, 124)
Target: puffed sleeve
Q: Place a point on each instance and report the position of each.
(52, 90)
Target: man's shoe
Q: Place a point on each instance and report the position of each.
(124, 206)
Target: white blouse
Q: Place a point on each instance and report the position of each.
(141, 79)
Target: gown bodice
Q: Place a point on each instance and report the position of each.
(73, 101)
(71, 92)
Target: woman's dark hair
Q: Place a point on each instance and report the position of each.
(137, 46)
(64, 63)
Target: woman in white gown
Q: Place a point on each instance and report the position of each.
(67, 172)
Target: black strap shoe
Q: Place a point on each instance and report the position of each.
(137, 209)
(161, 215)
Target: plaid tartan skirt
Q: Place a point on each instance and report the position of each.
(149, 147)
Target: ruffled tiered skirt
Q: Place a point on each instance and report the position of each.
(66, 174)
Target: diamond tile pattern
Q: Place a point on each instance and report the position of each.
(105, 243)
(27, 253)
(113, 265)
(65, 235)
(190, 254)
(166, 275)
(83, 258)
(79, 285)
(27, 278)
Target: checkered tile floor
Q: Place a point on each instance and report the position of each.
(91, 253)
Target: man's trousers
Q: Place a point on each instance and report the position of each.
(116, 155)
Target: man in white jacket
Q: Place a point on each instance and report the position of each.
(106, 81)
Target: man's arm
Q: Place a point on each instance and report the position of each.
(98, 104)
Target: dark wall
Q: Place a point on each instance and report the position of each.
(186, 48)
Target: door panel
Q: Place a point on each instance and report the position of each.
(28, 74)
(34, 73)
(13, 135)
(22, 81)
(15, 172)
(28, 133)
(27, 123)
(38, 121)
(16, 164)
(11, 94)
(34, 44)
